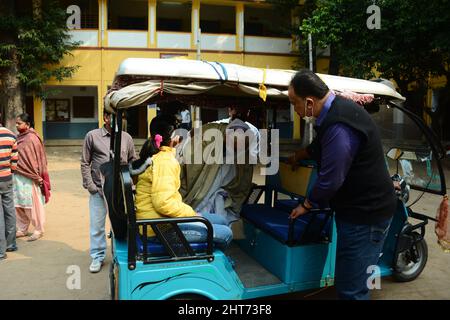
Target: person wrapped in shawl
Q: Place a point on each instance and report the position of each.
(31, 180)
(212, 186)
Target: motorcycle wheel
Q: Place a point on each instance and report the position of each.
(405, 268)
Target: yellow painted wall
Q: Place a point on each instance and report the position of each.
(89, 70)
(101, 64)
(438, 82)
(151, 113)
(97, 67)
(323, 65)
(269, 61)
(37, 115)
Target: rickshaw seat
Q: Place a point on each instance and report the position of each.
(290, 204)
(275, 221)
(287, 204)
(157, 248)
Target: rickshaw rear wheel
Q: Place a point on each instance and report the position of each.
(188, 296)
(406, 269)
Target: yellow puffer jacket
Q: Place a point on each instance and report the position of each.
(157, 194)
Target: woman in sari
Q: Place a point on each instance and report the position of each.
(31, 182)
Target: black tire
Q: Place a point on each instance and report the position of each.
(405, 269)
(188, 296)
(112, 282)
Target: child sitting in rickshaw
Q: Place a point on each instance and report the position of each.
(157, 189)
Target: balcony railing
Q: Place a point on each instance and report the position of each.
(182, 40)
(87, 37)
(220, 42)
(127, 38)
(267, 45)
(173, 40)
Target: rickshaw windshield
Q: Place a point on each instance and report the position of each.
(418, 161)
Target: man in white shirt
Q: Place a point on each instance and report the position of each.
(185, 119)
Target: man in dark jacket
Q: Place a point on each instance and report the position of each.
(352, 179)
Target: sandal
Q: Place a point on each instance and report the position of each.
(34, 237)
(20, 234)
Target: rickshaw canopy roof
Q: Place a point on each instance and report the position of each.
(144, 80)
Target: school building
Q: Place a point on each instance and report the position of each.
(251, 33)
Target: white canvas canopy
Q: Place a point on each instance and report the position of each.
(138, 80)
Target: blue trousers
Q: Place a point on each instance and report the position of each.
(197, 231)
(97, 213)
(358, 248)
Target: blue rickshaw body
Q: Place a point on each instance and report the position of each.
(161, 281)
(292, 255)
(298, 268)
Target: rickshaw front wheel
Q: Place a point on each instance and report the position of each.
(112, 282)
(407, 268)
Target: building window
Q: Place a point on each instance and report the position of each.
(89, 12)
(127, 15)
(267, 22)
(173, 16)
(217, 19)
(57, 110)
(83, 107)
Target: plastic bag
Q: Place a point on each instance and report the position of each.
(442, 227)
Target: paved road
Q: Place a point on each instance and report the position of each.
(42, 269)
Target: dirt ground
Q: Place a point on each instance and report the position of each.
(42, 269)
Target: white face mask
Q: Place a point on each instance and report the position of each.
(309, 119)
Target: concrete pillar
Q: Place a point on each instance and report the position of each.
(296, 134)
(151, 42)
(151, 113)
(100, 94)
(240, 27)
(195, 22)
(103, 22)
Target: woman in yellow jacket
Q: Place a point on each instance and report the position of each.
(157, 189)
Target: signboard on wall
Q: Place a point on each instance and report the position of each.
(57, 110)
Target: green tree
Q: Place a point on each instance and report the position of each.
(33, 42)
(411, 45)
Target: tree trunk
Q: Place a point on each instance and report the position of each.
(37, 9)
(12, 92)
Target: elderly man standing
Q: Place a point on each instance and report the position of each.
(8, 164)
(352, 178)
(95, 153)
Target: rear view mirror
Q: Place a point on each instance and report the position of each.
(394, 153)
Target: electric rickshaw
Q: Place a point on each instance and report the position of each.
(273, 255)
